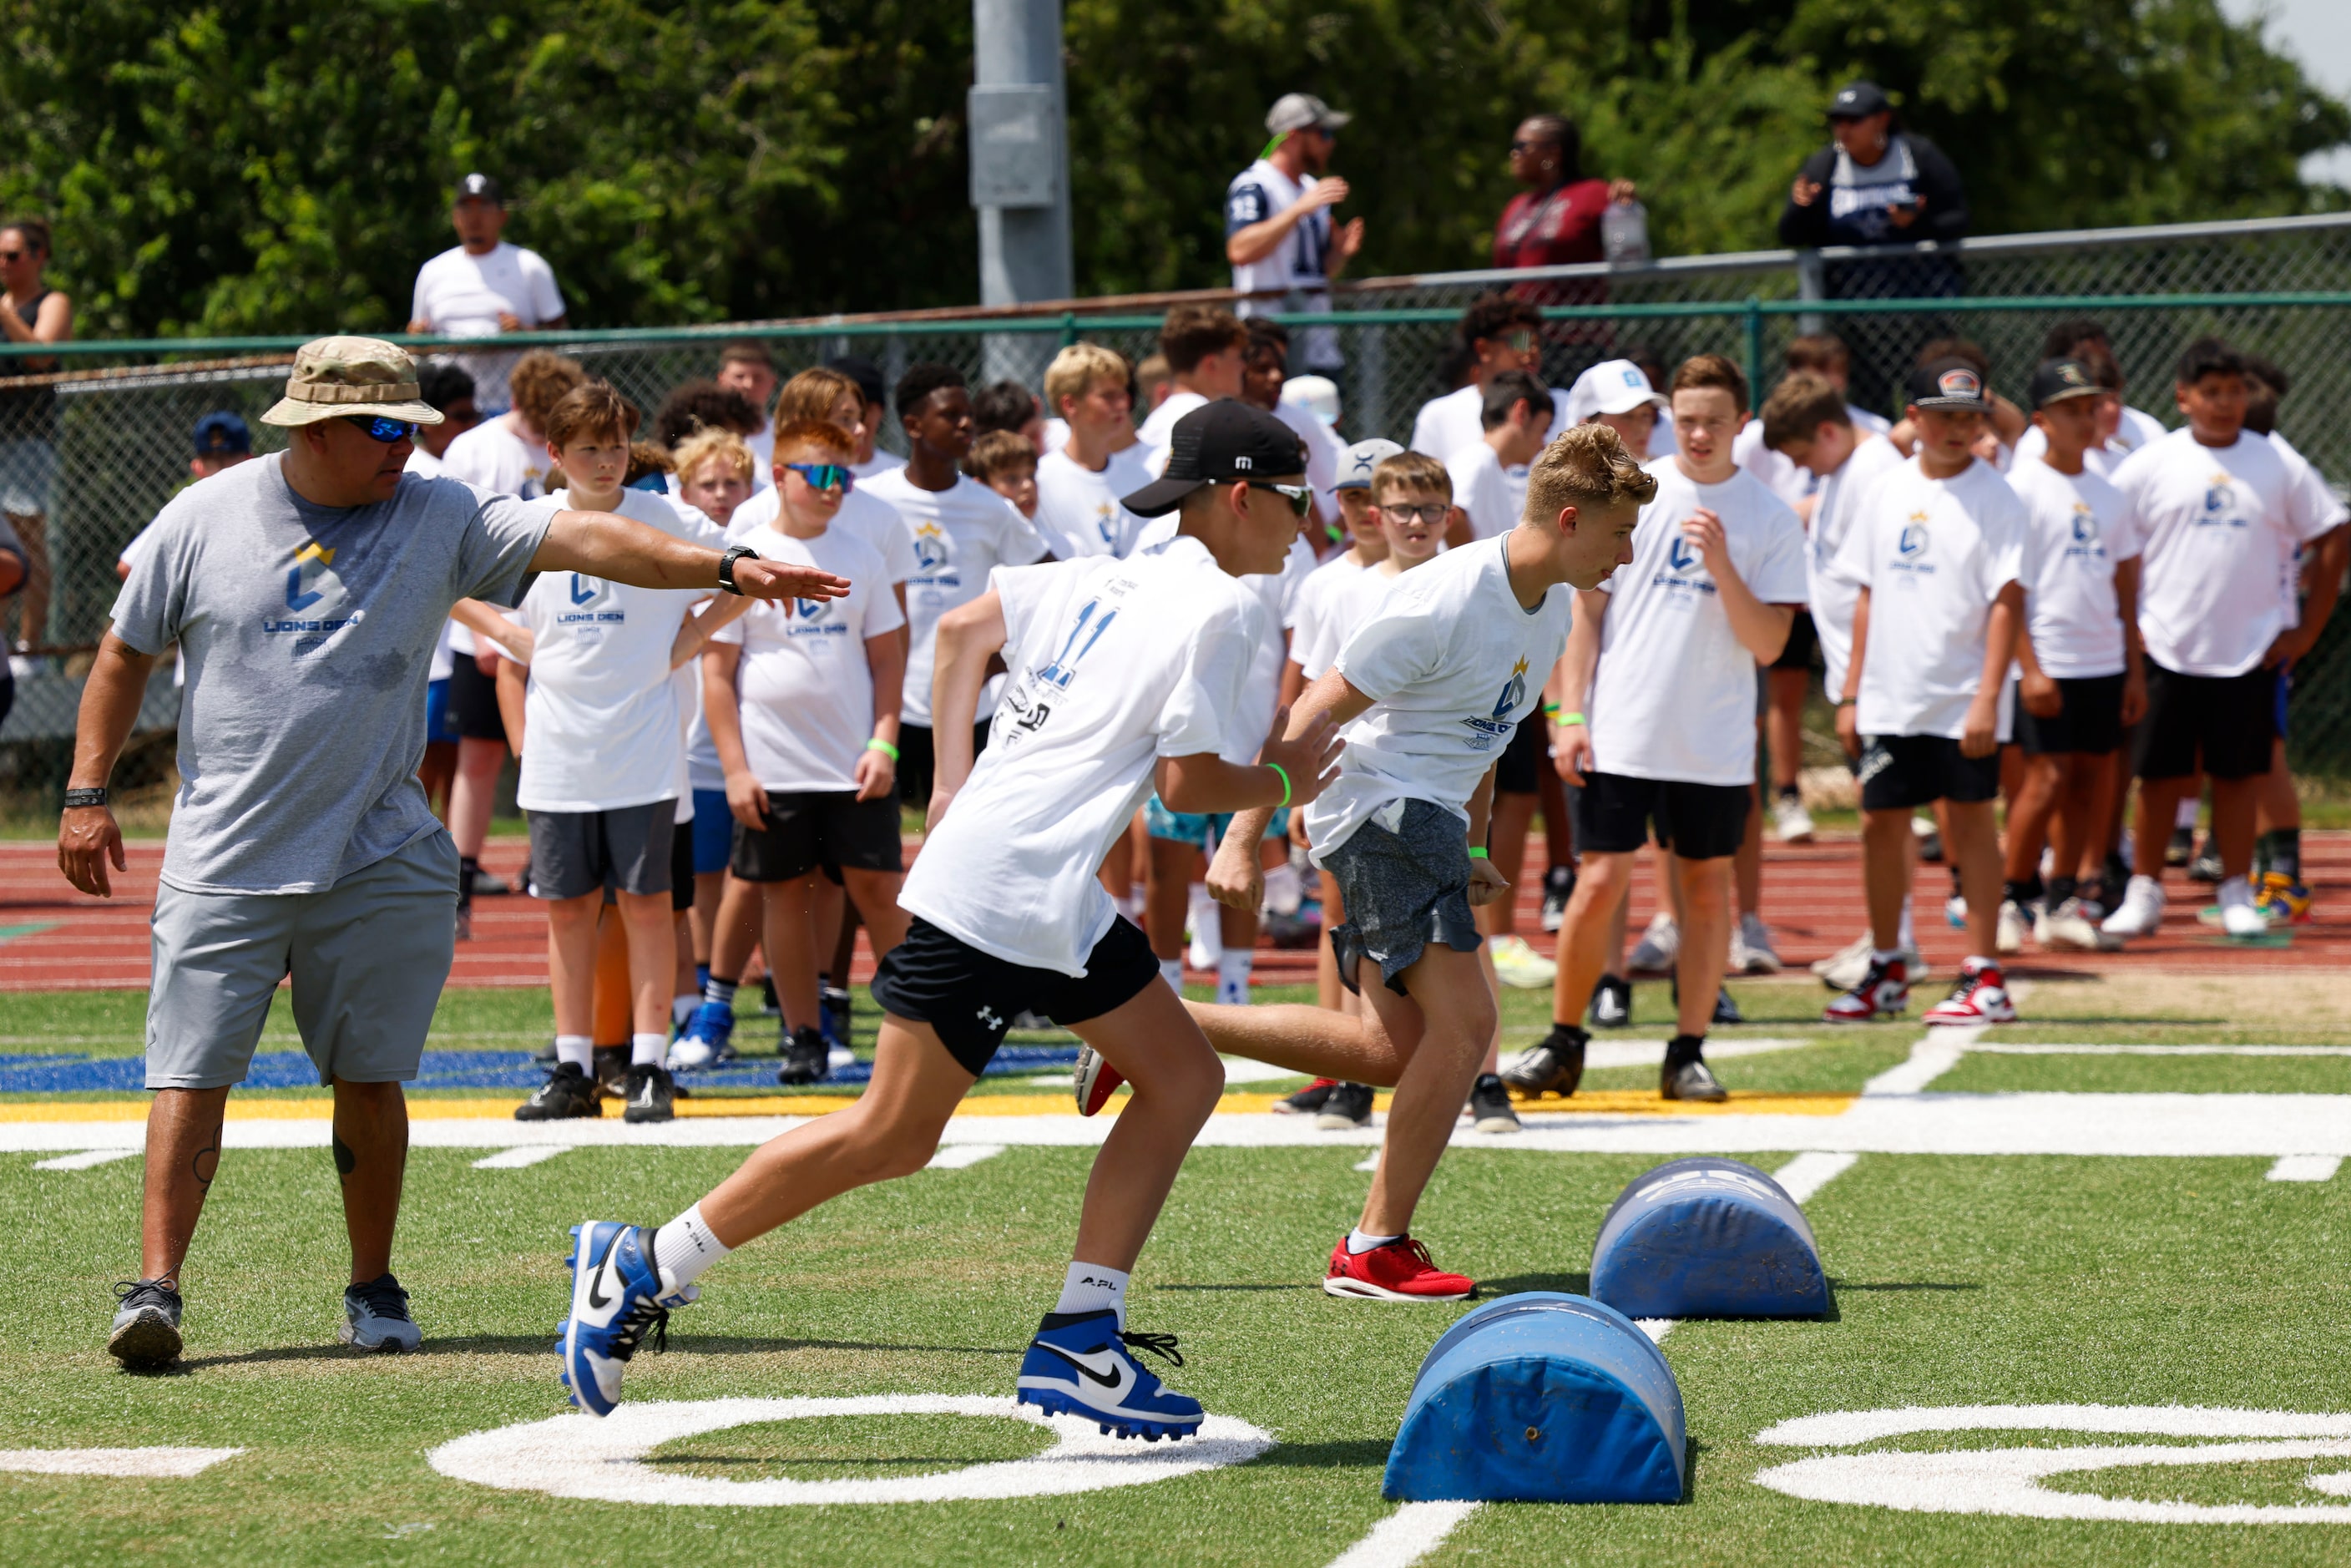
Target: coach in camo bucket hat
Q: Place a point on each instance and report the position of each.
(338, 377)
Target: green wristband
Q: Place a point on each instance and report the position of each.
(1283, 774)
(1569, 718)
(884, 746)
(1479, 853)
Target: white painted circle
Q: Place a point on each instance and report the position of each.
(578, 1456)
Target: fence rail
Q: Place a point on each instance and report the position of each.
(2279, 288)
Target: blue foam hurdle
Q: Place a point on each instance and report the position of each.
(1542, 1397)
(1707, 1238)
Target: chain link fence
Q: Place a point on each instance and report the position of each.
(2280, 289)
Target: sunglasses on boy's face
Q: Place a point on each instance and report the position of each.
(1300, 496)
(825, 475)
(380, 428)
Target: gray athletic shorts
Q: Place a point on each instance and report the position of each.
(368, 957)
(575, 854)
(1402, 890)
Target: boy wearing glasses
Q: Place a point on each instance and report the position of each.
(803, 709)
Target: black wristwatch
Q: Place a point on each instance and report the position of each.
(81, 800)
(727, 565)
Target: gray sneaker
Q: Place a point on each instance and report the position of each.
(146, 1324)
(1691, 1080)
(375, 1317)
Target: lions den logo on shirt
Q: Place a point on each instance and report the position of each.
(592, 607)
(813, 618)
(931, 552)
(1486, 731)
(1684, 578)
(1910, 550)
(311, 585)
(2220, 503)
(2086, 543)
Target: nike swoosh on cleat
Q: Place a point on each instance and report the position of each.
(1111, 1379)
(596, 1300)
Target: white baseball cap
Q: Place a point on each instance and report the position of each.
(1612, 386)
(1318, 395)
(1364, 456)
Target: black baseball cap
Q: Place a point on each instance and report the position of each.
(860, 369)
(221, 433)
(480, 188)
(2058, 379)
(1949, 384)
(1858, 99)
(1227, 440)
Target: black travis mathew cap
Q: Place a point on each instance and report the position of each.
(1949, 384)
(1227, 440)
(2058, 379)
(1857, 100)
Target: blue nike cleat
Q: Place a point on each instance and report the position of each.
(1078, 1365)
(707, 1040)
(616, 1295)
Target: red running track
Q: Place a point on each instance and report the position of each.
(54, 938)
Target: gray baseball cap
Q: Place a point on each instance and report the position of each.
(1298, 110)
(1355, 473)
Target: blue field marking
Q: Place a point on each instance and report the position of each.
(10, 932)
(62, 1074)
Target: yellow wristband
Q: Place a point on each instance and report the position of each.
(884, 746)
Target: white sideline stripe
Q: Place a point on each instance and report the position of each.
(84, 1160)
(1406, 1536)
(516, 1158)
(2306, 1167)
(2016, 1048)
(149, 1463)
(1241, 1069)
(956, 1156)
(1808, 1173)
(1935, 1054)
(1847, 1428)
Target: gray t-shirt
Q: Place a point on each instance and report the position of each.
(308, 632)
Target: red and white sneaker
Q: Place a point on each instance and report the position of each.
(1096, 1080)
(1399, 1270)
(1980, 997)
(1884, 993)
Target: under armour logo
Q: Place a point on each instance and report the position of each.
(988, 1018)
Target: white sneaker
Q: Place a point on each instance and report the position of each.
(1519, 966)
(1283, 890)
(1791, 822)
(2239, 916)
(2142, 911)
(1752, 951)
(1955, 913)
(1207, 929)
(2009, 938)
(1660, 944)
(688, 1053)
(2065, 929)
(1848, 967)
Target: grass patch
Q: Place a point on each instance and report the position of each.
(852, 1447)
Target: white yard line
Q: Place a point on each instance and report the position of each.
(956, 1156)
(1406, 1536)
(84, 1160)
(1935, 1054)
(149, 1463)
(2306, 1167)
(516, 1158)
(2019, 1048)
(1808, 1173)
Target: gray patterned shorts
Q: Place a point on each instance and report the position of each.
(1403, 890)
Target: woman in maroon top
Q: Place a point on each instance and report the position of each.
(1556, 221)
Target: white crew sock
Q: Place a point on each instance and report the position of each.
(681, 1008)
(684, 1247)
(1093, 1288)
(1360, 1243)
(2185, 816)
(648, 1049)
(1233, 967)
(1172, 971)
(1904, 934)
(578, 1049)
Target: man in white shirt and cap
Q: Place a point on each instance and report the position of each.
(483, 287)
(1277, 230)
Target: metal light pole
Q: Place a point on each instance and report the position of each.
(1020, 171)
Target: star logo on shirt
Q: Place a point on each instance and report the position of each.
(931, 548)
(1514, 691)
(2085, 524)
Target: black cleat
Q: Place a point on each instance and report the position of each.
(146, 1330)
(1306, 1101)
(1555, 1067)
(1558, 886)
(1691, 1080)
(1350, 1105)
(1611, 1002)
(1489, 1105)
(611, 1071)
(2206, 866)
(2180, 849)
(1725, 1010)
(650, 1094)
(566, 1093)
(807, 1058)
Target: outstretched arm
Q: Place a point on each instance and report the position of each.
(620, 549)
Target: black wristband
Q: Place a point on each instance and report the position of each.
(726, 566)
(79, 799)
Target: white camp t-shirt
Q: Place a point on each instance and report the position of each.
(863, 515)
(1832, 597)
(2216, 526)
(1081, 512)
(1312, 613)
(959, 535)
(494, 458)
(1323, 453)
(1779, 473)
(462, 296)
(1114, 664)
(601, 727)
(1482, 487)
(804, 689)
(1157, 431)
(2307, 478)
(2135, 430)
(1934, 554)
(1673, 695)
(2081, 532)
(1452, 663)
(1277, 596)
(1448, 423)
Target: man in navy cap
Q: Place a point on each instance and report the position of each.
(485, 286)
(222, 441)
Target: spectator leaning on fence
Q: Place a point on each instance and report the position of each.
(34, 313)
(1556, 220)
(1277, 230)
(485, 286)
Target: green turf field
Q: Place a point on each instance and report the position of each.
(1959, 1280)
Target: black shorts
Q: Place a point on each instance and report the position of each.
(1899, 771)
(969, 998)
(1696, 822)
(2221, 723)
(627, 848)
(681, 867)
(2090, 722)
(818, 829)
(918, 761)
(474, 701)
(1803, 640)
(1519, 771)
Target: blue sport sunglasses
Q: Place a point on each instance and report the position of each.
(380, 428)
(825, 475)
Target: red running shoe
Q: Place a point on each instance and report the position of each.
(1096, 1080)
(1884, 993)
(1399, 1270)
(1980, 997)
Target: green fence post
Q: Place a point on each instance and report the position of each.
(1754, 347)
(1068, 328)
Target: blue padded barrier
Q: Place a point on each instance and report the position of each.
(1542, 1397)
(1707, 1238)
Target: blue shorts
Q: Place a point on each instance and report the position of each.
(1200, 828)
(440, 720)
(714, 832)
